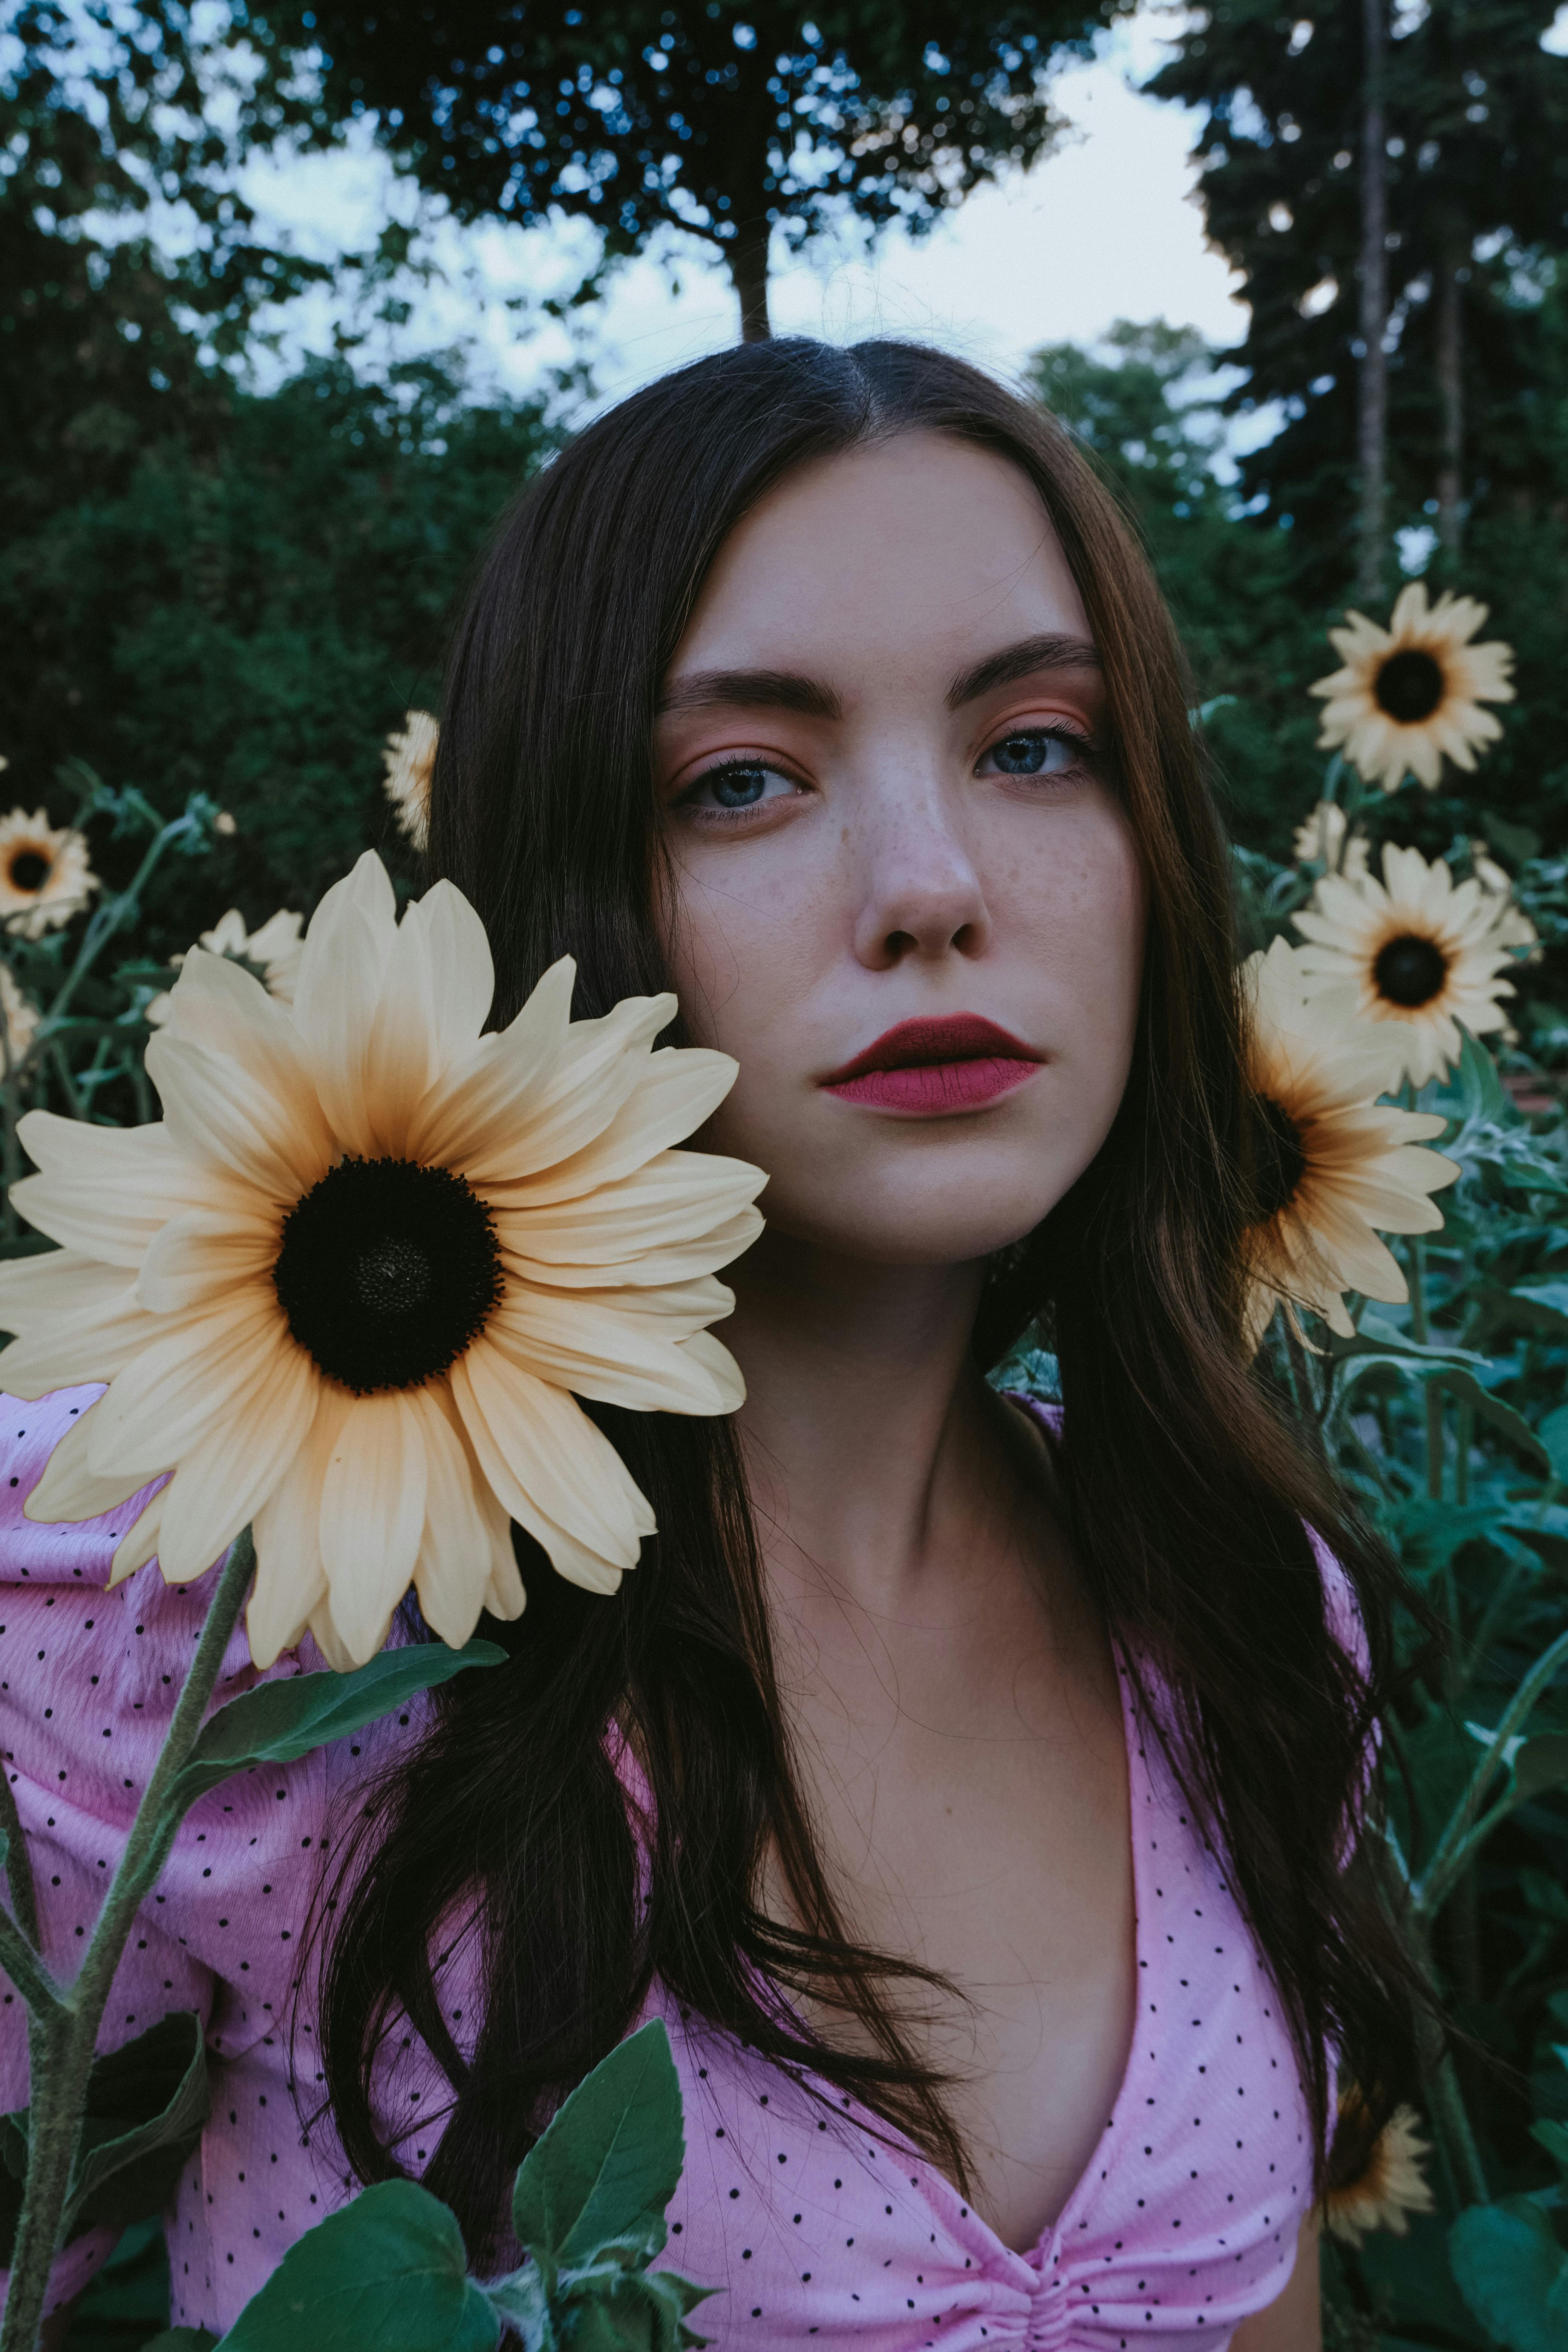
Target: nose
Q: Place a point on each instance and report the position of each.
(922, 898)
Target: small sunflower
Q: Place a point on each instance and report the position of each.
(409, 760)
(1332, 1166)
(45, 877)
(1391, 2185)
(20, 1016)
(1416, 953)
(1514, 927)
(271, 954)
(1325, 838)
(1411, 692)
(350, 1289)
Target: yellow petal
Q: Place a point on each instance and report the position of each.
(676, 1199)
(204, 1257)
(221, 1115)
(682, 1086)
(179, 1384)
(583, 1345)
(599, 1066)
(548, 1466)
(217, 1004)
(139, 1543)
(372, 1516)
(290, 1580)
(225, 1478)
(462, 975)
(70, 1488)
(457, 1552)
(493, 1091)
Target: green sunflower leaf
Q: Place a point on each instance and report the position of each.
(389, 2270)
(608, 2163)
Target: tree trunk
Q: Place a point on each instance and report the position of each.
(748, 259)
(1371, 423)
(1451, 396)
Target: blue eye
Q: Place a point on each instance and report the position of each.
(1034, 753)
(740, 784)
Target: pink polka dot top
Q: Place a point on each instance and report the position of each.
(812, 2217)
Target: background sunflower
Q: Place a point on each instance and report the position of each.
(1417, 953)
(1410, 694)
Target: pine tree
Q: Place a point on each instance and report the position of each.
(1475, 124)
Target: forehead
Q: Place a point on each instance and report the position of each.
(914, 547)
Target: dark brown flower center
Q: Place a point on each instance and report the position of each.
(28, 870)
(1409, 685)
(1410, 971)
(387, 1273)
(1279, 1163)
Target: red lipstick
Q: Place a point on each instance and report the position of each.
(931, 1066)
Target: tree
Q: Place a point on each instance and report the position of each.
(715, 118)
(1476, 163)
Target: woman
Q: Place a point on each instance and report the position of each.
(971, 1787)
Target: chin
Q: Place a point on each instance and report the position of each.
(909, 1219)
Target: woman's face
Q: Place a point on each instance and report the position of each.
(902, 891)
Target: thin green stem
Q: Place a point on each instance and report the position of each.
(25, 1970)
(1464, 1439)
(1434, 1439)
(18, 1869)
(1437, 1880)
(1417, 1261)
(61, 2046)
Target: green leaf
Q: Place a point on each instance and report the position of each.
(1550, 1298)
(146, 2105)
(278, 1722)
(1514, 2275)
(1553, 2138)
(388, 2270)
(1542, 1764)
(1509, 1425)
(608, 2163)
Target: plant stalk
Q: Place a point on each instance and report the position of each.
(61, 2045)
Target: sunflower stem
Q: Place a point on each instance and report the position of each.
(61, 2042)
(1434, 1441)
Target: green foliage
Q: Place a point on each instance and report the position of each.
(248, 615)
(278, 1722)
(388, 2270)
(146, 2105)
(715, 120)
(588, 2207)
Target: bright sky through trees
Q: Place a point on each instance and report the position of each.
(1105, 228)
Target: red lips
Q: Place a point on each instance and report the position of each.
(932, 1066)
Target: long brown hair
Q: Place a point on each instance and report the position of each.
(1188, 1498)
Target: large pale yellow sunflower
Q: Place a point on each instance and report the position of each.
(45, 876)
(351, 1287)
(1332, 1166)
(409, 760)
(1416, 953)
(1408, 693)
(272, 953)
(1390, 2188)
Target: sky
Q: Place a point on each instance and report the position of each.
(1106, 227)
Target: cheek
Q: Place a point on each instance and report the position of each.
(745, 943)
(1073, 908)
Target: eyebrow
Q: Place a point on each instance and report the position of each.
(1025, 659)
(751, 689)
(782, 690)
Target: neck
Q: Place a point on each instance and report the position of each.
(867, 1430)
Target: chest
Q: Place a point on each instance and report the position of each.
(970, 1784)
